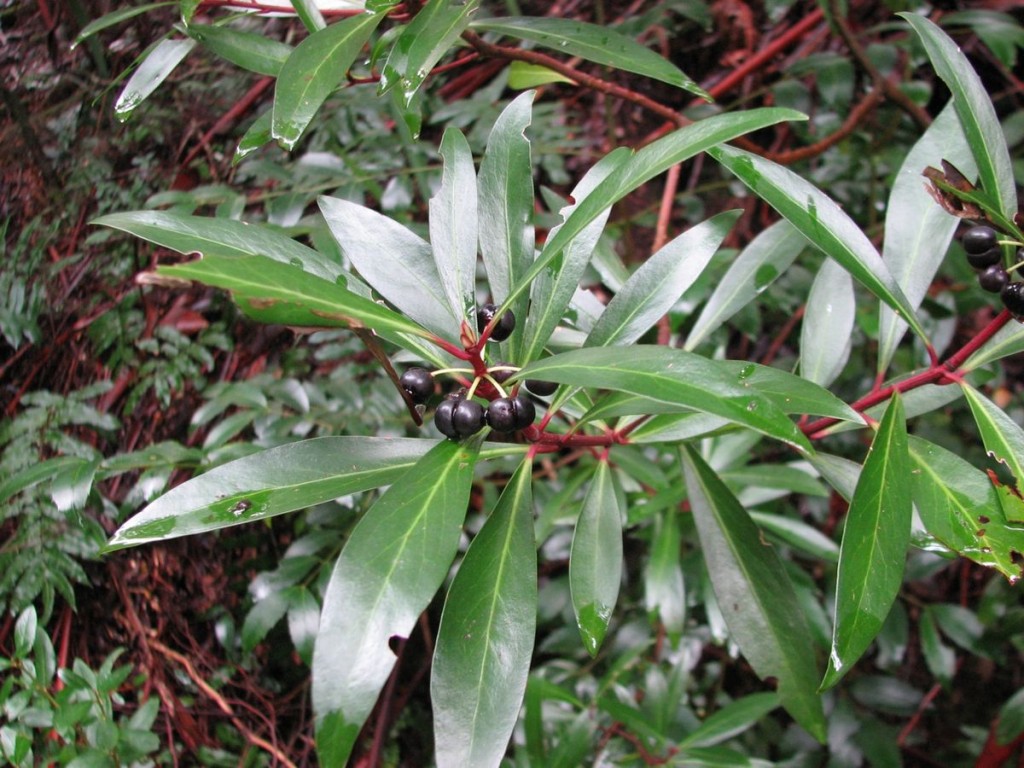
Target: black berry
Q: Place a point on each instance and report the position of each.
(994, 279)
(501, 376)
(418, 383)
(985, 259)
(979, 239)
(507, 414)
(504, 327)
(467, 418)
(443, 418)
(542, 388)
(1013, 298)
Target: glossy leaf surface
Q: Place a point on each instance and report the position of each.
(248, 50)
(162, 60)
(654, 159)
(272, 292)
(393, 562)
(113, 19)
(962, 508)
(827, 325)
(974, 109)
(600, 44)
(822, 222)
(659, 282)
(759, 264)
(453, 224)
(595, 561)
(874, 547)
(674, 377)
(731, 720)
(917, 230)
(397, 263)
(664, 587)
(1003, 437)
(423, 42)
(754, 594)
(273, 482)
(312, 72)
(485, 642)
(224, 237)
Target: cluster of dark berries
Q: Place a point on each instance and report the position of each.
(458, 417)
(502, 329)
(985, 254)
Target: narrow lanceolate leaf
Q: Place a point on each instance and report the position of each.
(394, 561)
(272, 292)
(759, 264)
(827, 325)
(790, 392)
(822, 222)
(874, 547)
(1003, 437)
(313, 71)
(917, 231)
(397, 263)
(453, 224)
(484, 645)
(963, 508)
(754, 594)
(113, 19)
(201, 234)
(276, 481)
(647, 163)
(593, 42)
(522, 76)
(595, 562)
(72, 484)
(731, 720)
(247, 50)
(664, 589)
(553, 289)
(657, 285)
(422, 44)
(974, 108)
(257, 135)
(506, 201)
(157, 67)
(671, 376)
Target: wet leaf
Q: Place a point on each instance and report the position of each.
(392, 565)
(485, 642)
(453, 224)
(827, 326)
(1003, 437)
(664, 588)
(754, 594)
(276, 481)
(874, 547)
(595, 561)
(157, 66)
(248, 50)
(731, 720)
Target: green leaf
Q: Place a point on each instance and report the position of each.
(874, 547)
(154, 69)
(822, 222)
(276, 481)
(593, 42)
(35, 474)
(482, 659)
(1001, 32)
(791, 393)
(523, 75)
(827, 326)
(1003, 437)
(759, 264)
(224, 237)
(1011, 718)
(72, 485)
(453, 224)
(671, 376)
(309, 13)
(1009, 340)
(25, 633)
(272, 292)
(974, 108)
(962, 508)
(731, 720)
(248, 50)
(312, 72)
(664, 588)
(595, 562)
(659, 282)
(303, 620)
(917, 230)
(647, 163)
(553, 288)
(256, 136)
(393, 563)
(754, 594)
(798, 534)
(939, 657)
(506, 203)
(114, 18)
(397, 263)
(262, 618)
(422, 43)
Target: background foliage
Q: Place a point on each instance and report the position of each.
(121, 387)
